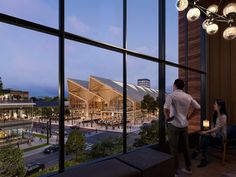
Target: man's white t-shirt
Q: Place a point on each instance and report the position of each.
(178, 103)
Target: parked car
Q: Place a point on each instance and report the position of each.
(33, 168)
(52, 148)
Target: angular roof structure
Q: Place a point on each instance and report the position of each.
(134, 92)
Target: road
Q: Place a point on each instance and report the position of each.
(47, 159)
(92, 137)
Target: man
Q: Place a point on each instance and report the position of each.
(176, 110)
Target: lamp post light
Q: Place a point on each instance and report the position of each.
(47, 132)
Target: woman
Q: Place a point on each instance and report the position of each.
(214, 135)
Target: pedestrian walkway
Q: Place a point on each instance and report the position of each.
(96, 127)
(37, 142)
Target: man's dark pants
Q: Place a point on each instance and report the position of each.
(174, 136)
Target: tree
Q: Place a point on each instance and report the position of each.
(148, 134)
(47, 112)
(67, 112)
(107, 147)
(1, 86)
(11, 162)
(75, 143)
(149, 104)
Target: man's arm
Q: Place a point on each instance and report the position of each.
(167, 108)
(167, 113)
(196, 109)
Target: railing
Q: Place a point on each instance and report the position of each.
(16, 101)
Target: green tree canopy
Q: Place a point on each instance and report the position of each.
(149, 103)
(109, 146)
(1, 85)
(75, 143)
(47, 112)
(148, 134)
(11, 162)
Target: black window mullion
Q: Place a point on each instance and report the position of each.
(61, 88)
(162, 69)
(124, 76)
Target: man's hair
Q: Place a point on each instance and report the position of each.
(179, 84)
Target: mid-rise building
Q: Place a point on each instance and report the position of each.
(9, 94)
(144, 83)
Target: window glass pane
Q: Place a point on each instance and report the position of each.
(142, 102)
(99, 20)
(172, 32)
(142, 26)
(39, 11)
(29, 73)
(94, 90)
(172, 73)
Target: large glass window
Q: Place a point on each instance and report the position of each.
(94, 77)
(44, 12)
(94, 89)
(29, 97)
(142, 26)
(142, 102)
(172, 32)
(99, 20)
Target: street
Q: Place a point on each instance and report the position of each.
(92, 137)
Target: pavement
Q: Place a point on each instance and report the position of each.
(36, 142)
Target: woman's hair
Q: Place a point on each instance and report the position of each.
(220, 103)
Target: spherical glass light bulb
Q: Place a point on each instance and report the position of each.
(229, 8)
(212, 9)
(230, 33)
(205, 23)
(193, 14)
(181, 5)
(212, 28)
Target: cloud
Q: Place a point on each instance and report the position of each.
(77, 24)
(114, 30)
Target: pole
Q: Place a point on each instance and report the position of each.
(47, 134)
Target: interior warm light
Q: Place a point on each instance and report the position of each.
(230, 33)
(181, 5)
(229, 9)
(213, 17)
(205, 24)
(212, 9)
(212, 28)
(206, 124)
(193, 14)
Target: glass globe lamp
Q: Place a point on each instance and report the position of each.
(205, 23)
(212, 29)
(193, 14)
(229, 9)
(212, 9)
(181, 5)
(230, 33)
